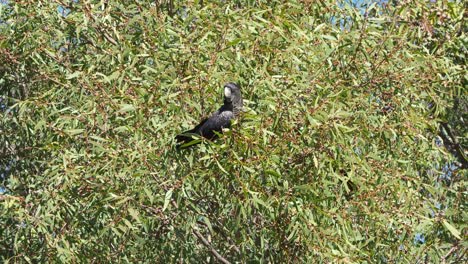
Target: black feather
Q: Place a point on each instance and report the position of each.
(210, 128)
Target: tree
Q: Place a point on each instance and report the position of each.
(337, 157)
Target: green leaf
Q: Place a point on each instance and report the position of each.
(452, 229)
(74, 132)
(167, 199)
(134, 213)
(126, 108)
(73, 75)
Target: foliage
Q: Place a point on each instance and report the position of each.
(335, 159)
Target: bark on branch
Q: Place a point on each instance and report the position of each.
(208, 245)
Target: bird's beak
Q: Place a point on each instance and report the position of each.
(227, 92)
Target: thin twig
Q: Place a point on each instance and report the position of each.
(220, 231)
(208, 245)
(448, 253)
(452, 144)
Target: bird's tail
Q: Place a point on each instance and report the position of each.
(187, 139)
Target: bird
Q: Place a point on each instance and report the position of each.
(210, 127)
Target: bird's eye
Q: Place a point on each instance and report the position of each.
(227, 92)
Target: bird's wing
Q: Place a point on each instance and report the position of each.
(207, 128)
(216, 122)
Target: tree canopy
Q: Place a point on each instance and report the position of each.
(337, 157)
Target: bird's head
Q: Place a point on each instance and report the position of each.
(232, 92)
(232, 96)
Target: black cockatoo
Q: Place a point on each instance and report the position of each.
(218, 120)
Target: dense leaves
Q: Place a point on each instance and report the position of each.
(336, 158)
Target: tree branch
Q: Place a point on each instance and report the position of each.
(451, 143)
(208, 245)
(448, 254)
